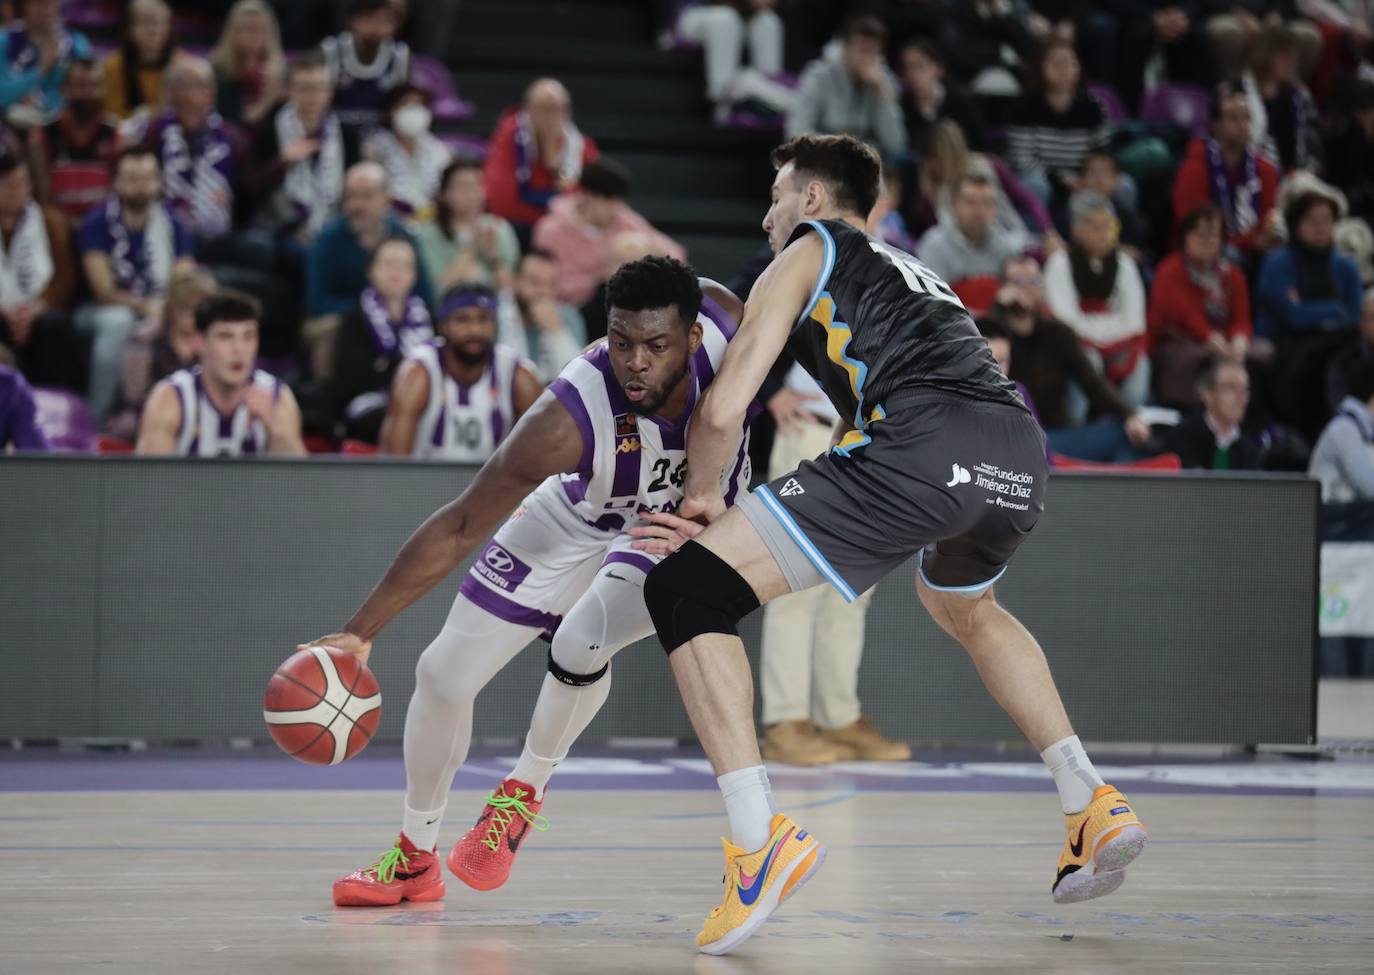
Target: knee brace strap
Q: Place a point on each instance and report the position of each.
(694, 591)
(571, 679)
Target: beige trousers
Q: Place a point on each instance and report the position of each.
(813, 640)
(320, 334)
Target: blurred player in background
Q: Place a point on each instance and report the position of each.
(224, 407)
(458, 397)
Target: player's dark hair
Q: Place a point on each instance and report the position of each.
(1359, 379)
(540, 253)
(606, 177)
(226, 305)
(656, 282)
(849, 168)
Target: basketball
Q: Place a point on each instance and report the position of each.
(322, 706)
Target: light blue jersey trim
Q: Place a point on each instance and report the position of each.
(975, 590)
(824, 279)
(881, 414)
(776, 509)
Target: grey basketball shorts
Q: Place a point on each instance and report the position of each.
(956, 481)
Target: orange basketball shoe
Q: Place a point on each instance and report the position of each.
(757, 883)
(1103, 840)
(397, 876)
(483, 858)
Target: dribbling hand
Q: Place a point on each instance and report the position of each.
(347, 642)
(666, 535)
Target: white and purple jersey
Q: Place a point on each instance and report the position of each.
(634, 464)
(205, 431)
(360, 89)
(466, 423)
(573, 526)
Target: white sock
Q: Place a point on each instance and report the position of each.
(422, 828)
(1074, 775)
(561, 714)
(534, 770)
(749, 804)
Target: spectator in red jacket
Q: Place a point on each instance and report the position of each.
(535, 153)
(1228, 171)
(1199, 308)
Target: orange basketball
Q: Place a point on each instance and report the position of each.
(322, 706)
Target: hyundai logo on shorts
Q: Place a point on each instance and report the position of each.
(499, 559)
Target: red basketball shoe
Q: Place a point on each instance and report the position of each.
(402, 874)
(483, 858)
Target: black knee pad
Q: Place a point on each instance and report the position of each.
(575, 680)
(694, 591)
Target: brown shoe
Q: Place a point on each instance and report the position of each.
(798, 743)
(867, 742)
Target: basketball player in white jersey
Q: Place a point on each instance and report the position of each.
(458, 397)
(603, 447)
(225, 406)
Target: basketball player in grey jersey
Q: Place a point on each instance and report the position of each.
(935, 457)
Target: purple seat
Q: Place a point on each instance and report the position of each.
(742, 118)
(1110, 101)
(465, 146)
(432, 76)
(66, 419)
(1184, 105)
(90, 14)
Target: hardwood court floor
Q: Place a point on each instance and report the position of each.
(210, 881)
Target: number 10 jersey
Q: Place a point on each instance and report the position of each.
(880, 324)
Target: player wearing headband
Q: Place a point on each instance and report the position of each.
(457, 398)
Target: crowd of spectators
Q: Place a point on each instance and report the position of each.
(141, 175)
(1147, 275)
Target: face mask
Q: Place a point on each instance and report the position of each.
(412, 121)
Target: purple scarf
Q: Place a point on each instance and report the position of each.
(388, 337)
(198, 174)
(1239, 200)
